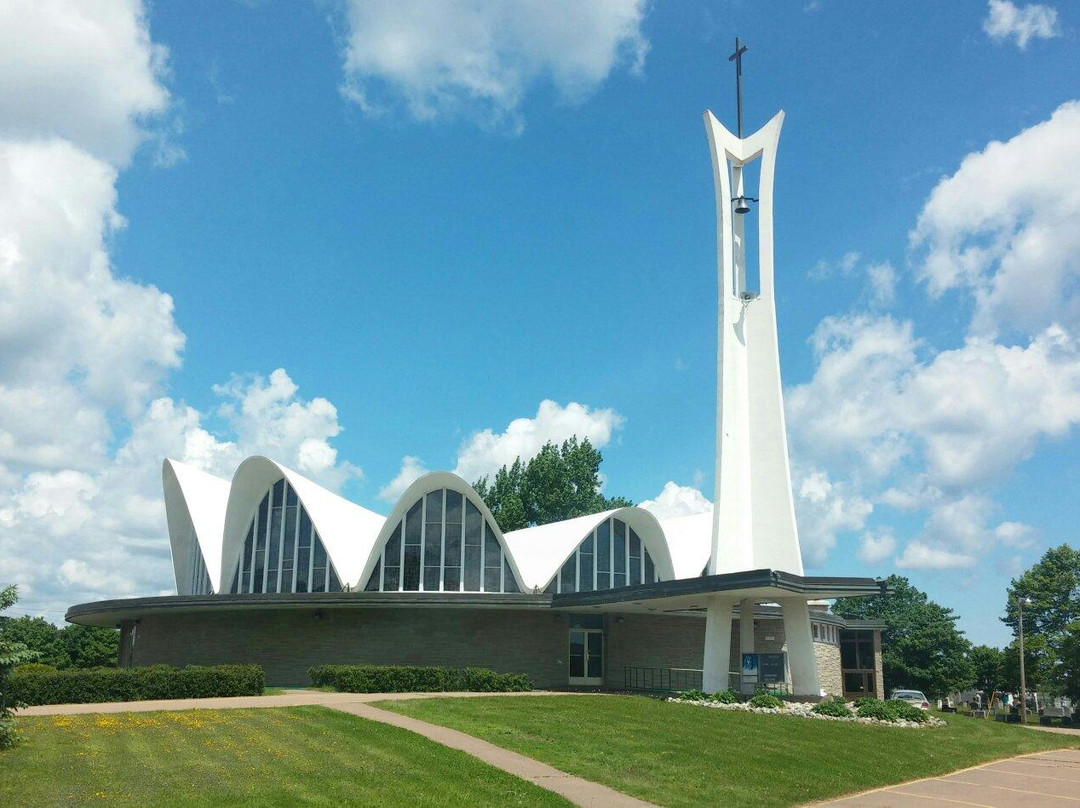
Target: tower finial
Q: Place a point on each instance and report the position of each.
(736, 57)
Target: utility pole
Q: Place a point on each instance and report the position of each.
(1023, 684)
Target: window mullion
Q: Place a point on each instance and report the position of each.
(295, 548)
(401, 552)
(483, 555)
(442, 540)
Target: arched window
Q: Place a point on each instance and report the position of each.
(200, 578)
(282, 551)
(613, 555)
(443, 544)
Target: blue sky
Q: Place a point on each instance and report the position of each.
(429, 246)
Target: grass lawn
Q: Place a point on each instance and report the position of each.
(679, 754)
(289, 756)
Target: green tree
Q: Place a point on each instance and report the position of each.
(560, 482)
(921, 647)
(1053, 585)
(11, 654)
(1039, 673)
(39, 635)
(1070, 660)
(986, 662)
(90, 646)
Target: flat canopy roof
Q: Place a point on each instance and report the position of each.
(684, 594)
(687, 594)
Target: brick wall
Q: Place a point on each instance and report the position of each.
(287, 643)
(534, 642)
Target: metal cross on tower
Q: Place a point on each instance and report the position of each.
(736, 57)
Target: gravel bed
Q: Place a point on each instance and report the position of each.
(800, 709)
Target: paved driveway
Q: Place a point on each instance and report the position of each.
(1043, 780)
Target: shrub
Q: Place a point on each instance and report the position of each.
(409, 679)
(725, 696)
(859, 702)
(876, 708)
(767, 701)
(835, 707)
(135, 684)
(35, 667)
(693, 694)
(908, 712)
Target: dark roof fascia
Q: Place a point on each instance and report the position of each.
(708, 584)
(304, 600)
(855, 624)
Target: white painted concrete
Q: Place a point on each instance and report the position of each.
(802, 665)
(195, 511)
(754, 512)
(717, 644)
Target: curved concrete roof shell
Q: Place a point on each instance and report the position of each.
(213, 515)
(348, 531)
(195, 511)
(541, 550)
(433, 481)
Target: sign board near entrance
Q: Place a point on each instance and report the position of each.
(749, 666)
(772, 668)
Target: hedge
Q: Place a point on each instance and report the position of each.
(408, 679)
(135, 684)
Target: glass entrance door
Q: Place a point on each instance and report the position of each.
(586, 656)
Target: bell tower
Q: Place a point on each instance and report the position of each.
(754, 510)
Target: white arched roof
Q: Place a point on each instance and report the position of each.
(212, 515)
(541, 550)
(347, 530)
(195, 511)
(689, 538)
(433, 481)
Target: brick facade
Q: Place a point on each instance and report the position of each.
(532, 641)
(287, 643)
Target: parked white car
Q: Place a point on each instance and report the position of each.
(915, 698)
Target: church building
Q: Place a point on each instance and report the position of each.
(273, 569)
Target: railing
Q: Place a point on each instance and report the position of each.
(661, 679)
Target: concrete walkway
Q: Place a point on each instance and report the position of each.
(577, 790)
(290, 698)
(1042, 780)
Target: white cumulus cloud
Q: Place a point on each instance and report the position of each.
(875, 547)
(412, 469)
(1006, 228)
(1023, 23)
(485, 452)
(445, 58)
(919, 556)
(676, 500)
(85, 72)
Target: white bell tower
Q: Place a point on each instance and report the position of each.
(754, 511)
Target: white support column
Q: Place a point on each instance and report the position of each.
(717, 662)
(746, 637)
(800, 647)
(746, 626)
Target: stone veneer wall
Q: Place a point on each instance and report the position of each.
(879, 676)
(830, 677)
